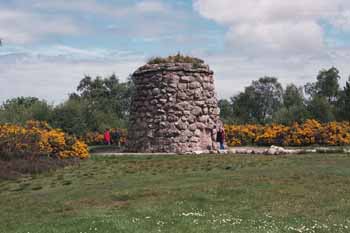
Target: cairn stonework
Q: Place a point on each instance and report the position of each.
(174, 109)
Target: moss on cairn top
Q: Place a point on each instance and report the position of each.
(174, 63)
(178, 58)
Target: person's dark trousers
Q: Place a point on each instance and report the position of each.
(222, 147)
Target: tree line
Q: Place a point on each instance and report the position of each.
(97, 104)
(266, 101)
(101, 103)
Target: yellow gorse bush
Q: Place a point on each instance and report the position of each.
(309, 133)
(38, 139)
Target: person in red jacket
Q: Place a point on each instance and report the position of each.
(107, 137)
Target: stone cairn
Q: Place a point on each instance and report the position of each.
(174, 109)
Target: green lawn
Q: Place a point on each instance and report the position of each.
(302, 193)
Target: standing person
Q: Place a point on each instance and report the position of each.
(116, 138)
(107, 137)
(223, 137)
(220, 138)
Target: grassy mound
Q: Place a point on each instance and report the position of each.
(178, 58)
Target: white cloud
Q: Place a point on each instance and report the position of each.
(68, 5)
(20, 27)
(342, 20)
(51, 73)
(30, 21)
(285, 39)
(287, 27)
(274, 37)
(99, 8)
(265, 37)
(237, 11)
(143, 18)
(234, 72)
(54, 74)
(151, 7)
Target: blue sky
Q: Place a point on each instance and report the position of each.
(48, 46)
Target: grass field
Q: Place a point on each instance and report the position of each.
(302, 193)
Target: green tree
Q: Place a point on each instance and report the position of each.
(245, 108)
(226, 111)
(98, 104)
(320, 109)
(295, 113)
(71, 117)
(259, 101)
(294, 108)
(343, 104)
(21, 109)
(293, 96)
(327, 85)
(106, 94)
(310, 89)
(324, 94)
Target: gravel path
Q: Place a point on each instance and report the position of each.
(273, 150)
